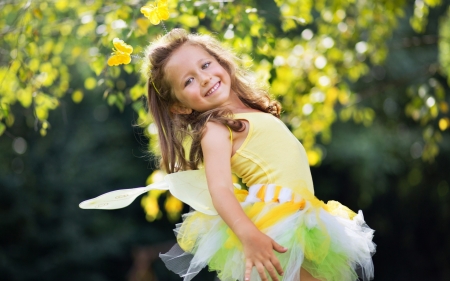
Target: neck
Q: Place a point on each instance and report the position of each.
(235, 104)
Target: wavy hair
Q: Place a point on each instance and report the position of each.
(179, 133)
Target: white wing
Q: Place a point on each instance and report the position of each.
(120, 198)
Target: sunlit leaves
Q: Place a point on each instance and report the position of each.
(428, 106)
(43, 104)
(2, 128)
(420, 17)
(444, 45)
(189, 20)
(308, 52)
(150, 203)
(295, 12)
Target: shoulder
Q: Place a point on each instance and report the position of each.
(215, 128)
(215, 133)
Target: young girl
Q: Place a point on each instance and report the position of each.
(210, 114)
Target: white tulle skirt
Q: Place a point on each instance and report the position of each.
(328, 240)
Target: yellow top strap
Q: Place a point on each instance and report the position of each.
(231, 135)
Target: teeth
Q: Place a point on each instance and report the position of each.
(213, 89)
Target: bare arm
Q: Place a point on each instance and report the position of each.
(258, 247)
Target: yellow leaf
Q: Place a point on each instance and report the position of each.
(33, 64)
(76, 51)
(313, 157)
(37, 13)
(2, 128)
(98, 65)
(172, 204)
(332, 94)
(142, 25)
(77, 96)
(343, 97)
(90, 83)
(188, 20)
(151, 207)
(444, 124)
(65, 29)
(61, 5)
(433, 3)
(443, 106)
(25, 96)
(136, 92)
(9, 120)
(41, 113)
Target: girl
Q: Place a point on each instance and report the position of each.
(210, 113)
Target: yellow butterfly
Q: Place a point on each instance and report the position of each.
(121, 54)
(156, 13)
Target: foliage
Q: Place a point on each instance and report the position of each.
(310, 53)
(399, 108)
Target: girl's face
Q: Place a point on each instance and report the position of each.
(198, 81)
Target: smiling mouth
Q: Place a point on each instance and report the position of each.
(213, 89)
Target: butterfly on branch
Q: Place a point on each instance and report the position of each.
(121, 53)
(156, 12)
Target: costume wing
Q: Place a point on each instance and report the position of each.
(188, 186)
(120, 198)
(191, 188)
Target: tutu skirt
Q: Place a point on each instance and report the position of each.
(328, 240)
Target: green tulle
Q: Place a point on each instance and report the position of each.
(321, 260)
(222, 255)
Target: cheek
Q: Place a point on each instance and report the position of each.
(177, 97)
(187, 96)
(226, 75)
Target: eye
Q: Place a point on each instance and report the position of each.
(206, 65)
(189, 81)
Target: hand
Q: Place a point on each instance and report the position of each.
(258, 251)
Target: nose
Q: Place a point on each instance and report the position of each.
(205, 79)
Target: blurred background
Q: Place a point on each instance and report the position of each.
(364, 85)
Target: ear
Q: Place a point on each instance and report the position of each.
(178, 108)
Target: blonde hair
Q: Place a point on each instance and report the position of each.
(174, 130)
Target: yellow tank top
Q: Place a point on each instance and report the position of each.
(271, 154)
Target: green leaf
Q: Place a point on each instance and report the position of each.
(2, 128)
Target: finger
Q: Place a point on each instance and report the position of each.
(248, 270)
(277, 247)
(277, 265)
(262, 273)
(270, 269)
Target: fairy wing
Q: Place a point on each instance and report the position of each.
(191, 188)
(120, 198)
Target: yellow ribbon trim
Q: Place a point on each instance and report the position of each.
(262, 192)
(277, 193)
